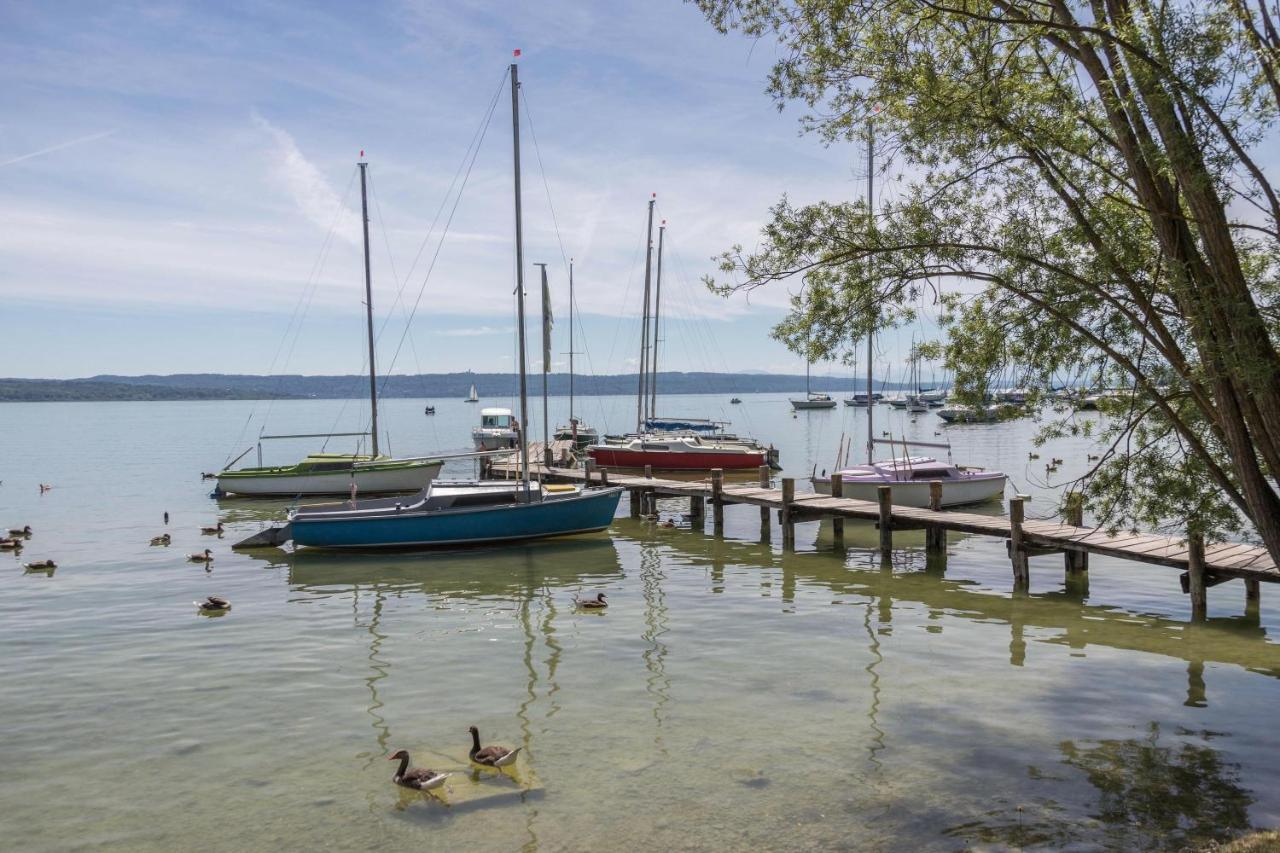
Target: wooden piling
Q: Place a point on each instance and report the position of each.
(788, 526)
(717, 499)
(588, 470)
(697, 512)
(1196, 576)
(1017, 546)
(766, 527)
(935, 536)
(633, 501)
(604, 476)
(885, 494)
(1077, 562)
(1252, 590)
(837, 523)
(649, 501)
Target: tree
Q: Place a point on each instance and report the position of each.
(1090, 168)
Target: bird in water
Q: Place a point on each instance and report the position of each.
(418, 778)
(161, 540)
(166, 517)
(206, 557)
(490, 756)
(597, 603)
(10, 545)
(23, 531)
(41, 565)
(212, 531)
(44, 487)
(213, 604)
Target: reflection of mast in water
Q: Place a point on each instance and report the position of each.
(658, 685)
(553, 659)
(379, 669)
(873, 713)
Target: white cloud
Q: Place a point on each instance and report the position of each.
(315, 198)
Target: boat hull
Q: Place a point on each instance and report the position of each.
(978, 489)
(813, 404)
(584, 513)
(620, 457)
(374, 481)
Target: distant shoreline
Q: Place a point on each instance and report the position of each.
(435, 386)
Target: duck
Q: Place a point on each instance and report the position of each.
(418, 778)
(212, 531)
(44, 487)
(10, 545)
(213, 604)
(1093, 458)
(161, 540)
(206, 557)
(24, 531)
(1057, 462)
(493, 755)
(1033, 455)
(40, 565)
(597, 603)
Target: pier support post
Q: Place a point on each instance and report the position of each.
(1196, 576)
(837, 523)
(766, 527)
(649, 503)
(696, 511)
(1017, 548)
(717, 502)
(885, 494)
(588, 469)
(1252, 591)
(935, 536)
(604, 476)
(633, 501)
(1077, 561)
(788, 526)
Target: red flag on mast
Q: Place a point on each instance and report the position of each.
(515, 52)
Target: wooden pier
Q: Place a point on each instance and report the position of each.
(1202, 565)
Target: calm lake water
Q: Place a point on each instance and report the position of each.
(732, 697)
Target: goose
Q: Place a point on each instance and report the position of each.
(206, 557)
(25, 531)
(597, 603)
(490, 756)
(161, 540)
(212, 531)
(213, 604)
(418, 778)
(41, 565)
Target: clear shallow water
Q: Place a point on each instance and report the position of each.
(733, 696)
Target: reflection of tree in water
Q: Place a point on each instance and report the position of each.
(1166, 795)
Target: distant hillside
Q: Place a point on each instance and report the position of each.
(84, 390)
(218, 386)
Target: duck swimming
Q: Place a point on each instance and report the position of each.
(597, 603)
(206, 557)
(213, 604)
(212, 531)
(10, 545)
(490, 756)
(25, 531)
(161, 540)
(41, 565)
(418, 778)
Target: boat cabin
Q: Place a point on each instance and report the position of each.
(495, 419)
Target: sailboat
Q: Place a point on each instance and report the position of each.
(668, 444)
(812, 399)
(577, 432)
(466, 512)
(473, 397)
(336, 473)
(908, 476)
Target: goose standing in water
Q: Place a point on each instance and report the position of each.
(213, 604)
(418, 778)
(206, 557)
(597, 603)
(212, 531)
(490, 756)
(161, 540)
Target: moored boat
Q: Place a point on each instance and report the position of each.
(331, 474)
(676, 453)
(909, 478)
(497, 430)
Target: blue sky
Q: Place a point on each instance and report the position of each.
(170, 173)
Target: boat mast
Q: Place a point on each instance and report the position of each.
(368, 304)
(657, 304)
(571, 421)
(644, 323)
(546, 368)
(871, 164)
(524, 391)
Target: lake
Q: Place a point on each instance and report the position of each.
(733, 696)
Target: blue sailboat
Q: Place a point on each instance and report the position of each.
(457, 513)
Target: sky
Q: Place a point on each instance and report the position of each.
(179, 190)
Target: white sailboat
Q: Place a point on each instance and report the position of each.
(473, 397)
(812, 399)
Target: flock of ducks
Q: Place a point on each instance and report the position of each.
(426, 779)
(17, 540)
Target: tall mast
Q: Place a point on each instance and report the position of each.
(871, 166)
(644, 325)
(571, 422)
(657, 304)
(546, 368)
(524, 391)
(368, 305)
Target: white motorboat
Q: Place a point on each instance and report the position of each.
(910, 476)
(497, 430)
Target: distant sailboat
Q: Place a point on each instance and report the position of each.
(473, 397)
(812, 399)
